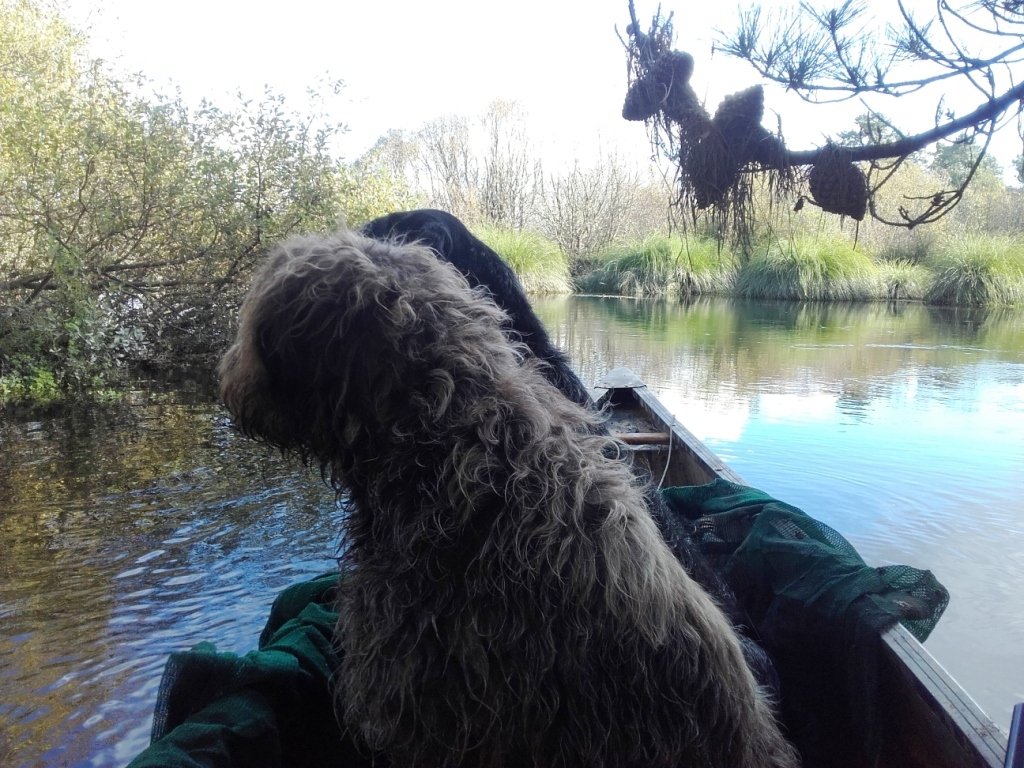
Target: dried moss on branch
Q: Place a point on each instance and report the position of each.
(816, 54)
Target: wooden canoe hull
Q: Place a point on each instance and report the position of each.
(925, 717)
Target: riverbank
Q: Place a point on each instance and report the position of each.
(975, 270)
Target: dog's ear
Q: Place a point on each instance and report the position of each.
(246, 390)
(439, 237)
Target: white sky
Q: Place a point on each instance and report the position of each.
(406, 62)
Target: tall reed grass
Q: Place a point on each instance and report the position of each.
(971, 270)
(904, 280)
(539, 263)
(978, 270)
(810, 269)
(661, 264)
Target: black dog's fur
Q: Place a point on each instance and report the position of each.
(482, 267)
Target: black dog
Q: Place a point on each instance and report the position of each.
(453, 242)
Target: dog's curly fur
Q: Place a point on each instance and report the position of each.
(452, 241)
(507, 600)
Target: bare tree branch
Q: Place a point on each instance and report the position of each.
(826, 56)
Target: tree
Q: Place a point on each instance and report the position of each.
(508, 184)
(446, 156)
(489, 175)
(492, 177)
(376, 183)
(586, 207)
(874, 128)
(129, 223)
(824, 56)
(958, 159)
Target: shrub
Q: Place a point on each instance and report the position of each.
(38, 387)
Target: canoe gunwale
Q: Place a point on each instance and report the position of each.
(924, 696)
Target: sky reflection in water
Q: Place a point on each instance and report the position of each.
(901, 428)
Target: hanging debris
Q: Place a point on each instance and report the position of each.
(714, 156)
(733, 140)
(738, 119)
(837, 185)
(721, 160)
(642, 100)
(665, 86)
(711, 169)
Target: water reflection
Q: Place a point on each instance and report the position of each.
(901, 426)
(129, 533)
(133, 531)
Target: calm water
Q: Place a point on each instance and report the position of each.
(133, 531)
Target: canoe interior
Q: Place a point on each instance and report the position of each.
(924, 716)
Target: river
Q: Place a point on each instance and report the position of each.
(133, 530)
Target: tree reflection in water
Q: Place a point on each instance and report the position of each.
(134, 530)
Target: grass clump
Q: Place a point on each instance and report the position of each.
(662, 264)
(978, 270)
(538, 262)
(903, 280)
(810, 269)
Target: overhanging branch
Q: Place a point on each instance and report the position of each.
(716, 156)
(985, 113)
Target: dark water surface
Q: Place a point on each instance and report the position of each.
(143, 528)
(125, 534)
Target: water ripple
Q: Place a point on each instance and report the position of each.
(184, 549)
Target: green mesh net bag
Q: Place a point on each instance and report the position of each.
(813, 603)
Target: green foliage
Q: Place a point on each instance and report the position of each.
(810, 269)
(369, 189)
(873, 128)
(978, 270)
(129, 224)
(39, 387)
(538, 262)
(956, 158)
(662, 264)
(122, 213)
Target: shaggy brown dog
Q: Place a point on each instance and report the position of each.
(452, 241)
(508, 601)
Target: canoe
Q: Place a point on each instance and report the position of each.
(924, 717)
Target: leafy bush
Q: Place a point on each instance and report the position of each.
(130, 224)
(39, 387)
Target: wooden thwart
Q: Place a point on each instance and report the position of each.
(642, 438)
